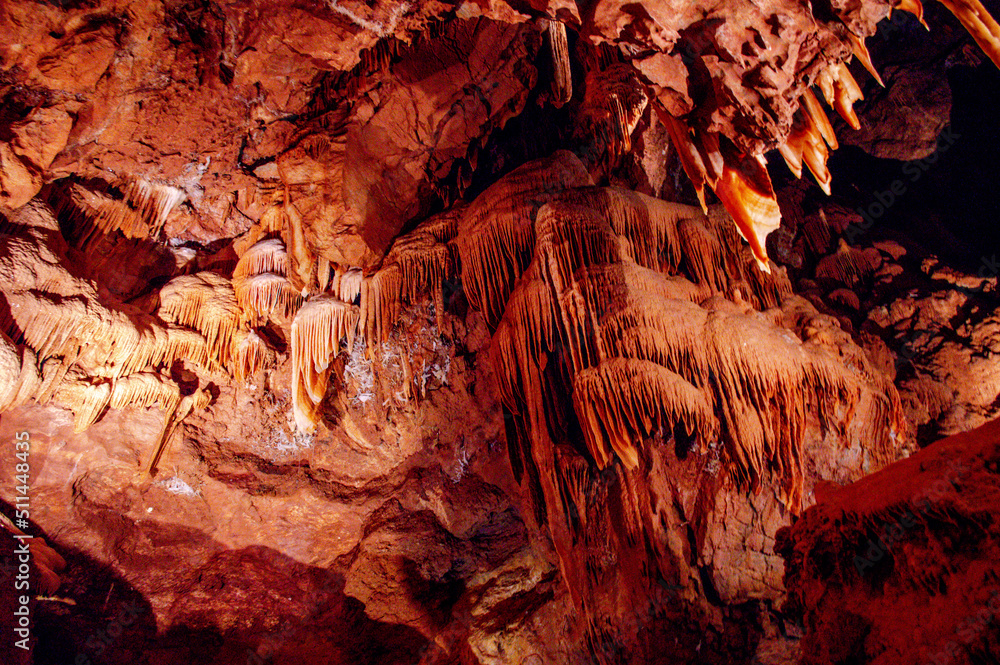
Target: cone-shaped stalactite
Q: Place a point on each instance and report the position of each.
(317, 331)
(418, 265)
(207, 303)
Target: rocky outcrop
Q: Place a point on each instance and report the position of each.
(899, 567)
(391, 535)
(926, 324)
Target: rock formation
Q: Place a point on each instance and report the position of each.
(485, 332)
(899, 567)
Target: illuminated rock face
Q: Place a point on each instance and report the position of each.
(632, 372)
(353, 333)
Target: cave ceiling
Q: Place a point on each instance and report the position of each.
(504, 331)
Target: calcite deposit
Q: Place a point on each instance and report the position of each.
(497, 332)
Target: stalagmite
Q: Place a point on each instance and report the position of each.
(848, 265)
(196, 401)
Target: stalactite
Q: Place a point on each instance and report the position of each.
(643, 352)
(651, 225)
(111, 343)
(417, 265)
(562, 83)
(700, 157)
(250, 355)
(206, 302)
(264, 256)
(265, 296)
(20, 367)
(809, 141)
(614, 100)
(90, 354)
(495, 232)
(259, 282)
(141, 211)
(740, 181)
(317, 331)
(349, 285)
(381, 300)
(144, 389)
(983, 27)
(656, 400)
(87, 401)
(181, 343)
(745, 189)
(914, 7)
(301, 260)
(323, 272)
(526, 332)
(841, 92)
(861, 53)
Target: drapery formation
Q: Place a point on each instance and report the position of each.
(639, 318)
(602, 286)
(65, 340)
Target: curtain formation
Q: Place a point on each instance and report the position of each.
(632, 317)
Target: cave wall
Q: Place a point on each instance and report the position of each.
(181, 183)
